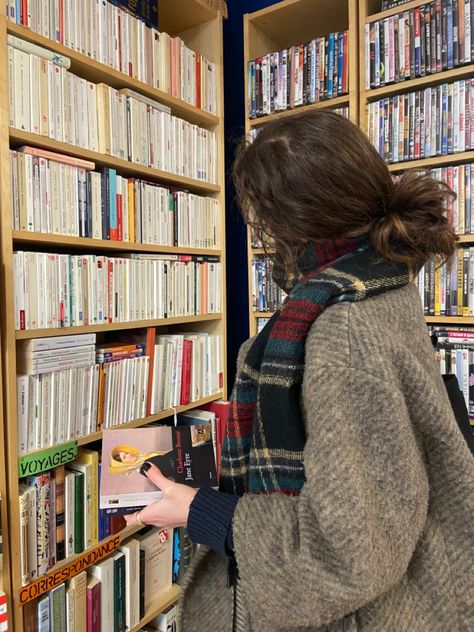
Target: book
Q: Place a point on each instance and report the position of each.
(78, 584)
(57, 608)
(157, 545)
(119, 592)
(93, 605)
(183, 454)
(167, 621)
(131, 552)
(104, 573)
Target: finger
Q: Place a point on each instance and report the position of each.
(156, 477)
(131, 519)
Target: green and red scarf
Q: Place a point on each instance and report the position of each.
(265, 437)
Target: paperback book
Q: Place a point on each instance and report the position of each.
(184, 454)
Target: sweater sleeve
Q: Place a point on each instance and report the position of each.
(350, 535)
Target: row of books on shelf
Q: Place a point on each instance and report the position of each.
(460, 178)
(266, 295)
(302, 74)
(113, 594)
(59, 290)
(47, 99)
(436, 121)
(425, 40)
(62, 195)
(454, 349)
(447, 289)
(69, 387)
(113, 36)
(71, 508)
(344, 111)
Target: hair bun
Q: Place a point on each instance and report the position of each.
(414, 227)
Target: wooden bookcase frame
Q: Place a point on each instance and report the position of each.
(200, 27)
(369, 12)
(282, 25)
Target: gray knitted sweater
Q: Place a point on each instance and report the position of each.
(381, 538)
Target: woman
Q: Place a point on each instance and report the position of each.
(347, 495)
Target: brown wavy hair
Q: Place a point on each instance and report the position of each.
(317, 176)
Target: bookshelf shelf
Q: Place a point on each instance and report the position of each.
(162, 603)
(46, 239)
(436, 161)
(134, 324)
(451, 320)
(465, 239)
(200, 28)
(124, 167)
(413, 84)
(327, 104)
(280, 26)
(97, 72)
(163, 414)
(373, 17)
(147, 420)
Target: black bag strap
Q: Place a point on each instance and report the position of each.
(458, 405)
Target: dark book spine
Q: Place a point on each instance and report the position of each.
(449, 19)
(456, 42)
(444, 34)
(396, 48)
(372, 55)
(431, 310)
(119, 594)
(89, 205)
(412, 44)
(439, 35)
(422, 42)
(432, 7)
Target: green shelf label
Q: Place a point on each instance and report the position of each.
(38, 462)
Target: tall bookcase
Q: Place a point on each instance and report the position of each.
(369, 13)
(289, 23)
(200, 27)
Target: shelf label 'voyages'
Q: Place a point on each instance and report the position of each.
(44, 460)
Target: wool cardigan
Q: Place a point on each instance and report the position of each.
(381, 538)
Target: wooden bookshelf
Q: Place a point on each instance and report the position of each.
(282, 25)
(162, 603)
(163, 414)
(369, 12)
(124, 167)
(28, 239)
(134, 324)
(200, 27)
(5, 576)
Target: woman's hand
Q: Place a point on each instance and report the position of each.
(169, 512)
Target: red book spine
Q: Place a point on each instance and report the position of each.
(119, 217)
(110, 288)
(198, 81)
(61, 21)
(93, 608)
(345, 64)
(186, 373)
(24, 13)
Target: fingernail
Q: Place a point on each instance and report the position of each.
(144, 468)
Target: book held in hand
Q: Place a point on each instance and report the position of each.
(184, 454)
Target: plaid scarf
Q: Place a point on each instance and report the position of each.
(263, 447)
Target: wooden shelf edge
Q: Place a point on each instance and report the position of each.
(434, 161)
(137, 324)
(46, 239)
(81, 63)
(328, 104)
(465, 239)
(263, 314)
(394, 10)
(125, 167)
(163, 414)
(412, 84)
(450, 320)
(162, 603)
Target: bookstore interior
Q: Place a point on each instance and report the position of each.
(129, 281)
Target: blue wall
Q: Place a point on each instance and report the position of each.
(237, 281)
